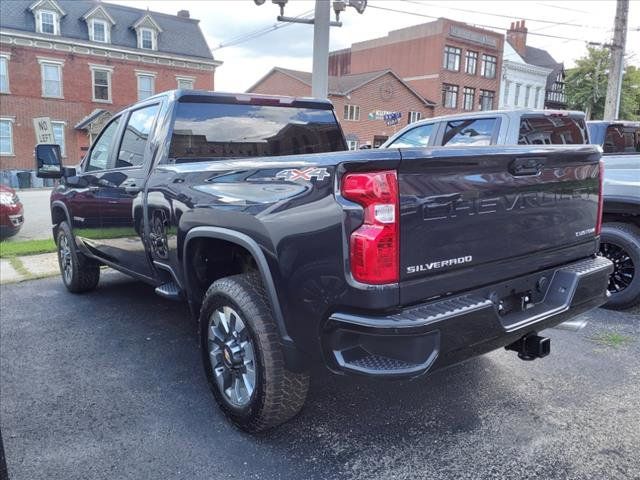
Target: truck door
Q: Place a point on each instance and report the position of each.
(121, 194)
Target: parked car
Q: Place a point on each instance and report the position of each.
(494, 127)
(292, 251)
(620, 241)
(11, 212)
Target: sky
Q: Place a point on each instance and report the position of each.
(290, 46)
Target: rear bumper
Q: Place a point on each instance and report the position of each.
(433, 335)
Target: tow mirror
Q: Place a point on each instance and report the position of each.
(48, 161)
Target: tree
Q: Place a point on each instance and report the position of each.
(586, 86)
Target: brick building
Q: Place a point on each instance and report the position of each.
(455, 64)
(78, 61)
(361, 101)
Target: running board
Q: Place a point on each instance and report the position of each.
(170, 291)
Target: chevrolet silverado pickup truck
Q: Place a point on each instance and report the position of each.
(620, 241)
(292, 252)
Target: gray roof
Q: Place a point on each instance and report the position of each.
(180, 36)
(345, 84)
(542, 58)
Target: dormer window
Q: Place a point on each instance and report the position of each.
(48, 22)
(99, 31)
(99, 24)
(147, 39)
(47, 14)
(147, 30)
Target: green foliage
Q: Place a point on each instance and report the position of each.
(14, 248)
(586, 86)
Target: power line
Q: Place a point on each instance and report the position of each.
(560, 8)
(478, 24)
(506, 16)
(256, 33)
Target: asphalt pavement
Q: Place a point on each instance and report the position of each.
(109, 385)
(37, 214)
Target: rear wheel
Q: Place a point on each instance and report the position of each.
(79, 274)
(620, 243)
(243, 357)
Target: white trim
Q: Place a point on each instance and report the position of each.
(49, 60)
(103, 68)
(184, 78)
(5, 58)
(51, 63)
(100, 9)
(144, 18)
(147, 73)
(421, 77)
(87, 48)
(11, 121)
(154, 38)
(39, 22)
(37, 5)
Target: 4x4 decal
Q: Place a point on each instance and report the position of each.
(293, 174)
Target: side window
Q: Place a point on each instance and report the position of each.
(134, 140)
(416, 137)
(99, 157)
(469, 132)
(621, 140)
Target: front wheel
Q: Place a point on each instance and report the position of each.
(79, 274)
(620, 243)
(243, 357)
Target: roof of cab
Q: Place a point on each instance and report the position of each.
(517, 112)
(205, 96)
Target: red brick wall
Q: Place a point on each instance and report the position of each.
(419, 57)
(25, 100)
(371, 97)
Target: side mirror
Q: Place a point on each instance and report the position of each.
(48, 161)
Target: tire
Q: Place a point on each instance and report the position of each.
(620, 243)
(79, 274)
(277, 394)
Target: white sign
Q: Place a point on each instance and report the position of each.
(44, 132)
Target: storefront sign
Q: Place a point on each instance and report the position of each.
(471, 36)
(44, 132)
(390, 118)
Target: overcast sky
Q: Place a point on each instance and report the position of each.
(291, 46)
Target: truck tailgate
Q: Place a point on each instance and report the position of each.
(476, 215)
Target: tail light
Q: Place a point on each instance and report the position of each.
(374, 248)
(600, 197)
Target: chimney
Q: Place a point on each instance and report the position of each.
(184, 14)
(517, 37)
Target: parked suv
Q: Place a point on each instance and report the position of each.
(620, 241)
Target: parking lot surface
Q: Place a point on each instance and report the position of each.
(109, 385)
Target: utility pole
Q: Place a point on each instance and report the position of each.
(321, 24)
(614, 87)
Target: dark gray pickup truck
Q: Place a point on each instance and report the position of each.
(292, 252)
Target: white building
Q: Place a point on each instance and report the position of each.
(523, 84)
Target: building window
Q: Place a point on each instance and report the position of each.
(507, 88)
(146, 86)
(58, 135)
(185, 83)
(468, 96)
(147, 39)
(527, 95)
(51, 79)
(48, 22)
(537, 98)
(4, 74)
(101, 84)
(352, 144)
(352, 112)
(99, 31)
(471, 64)
(449, 95)
(414, 116)
(489, 63)
(486, 99)
(516, 99)
(6, 136)
(451, 59)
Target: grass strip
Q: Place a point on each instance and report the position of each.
(26, 247)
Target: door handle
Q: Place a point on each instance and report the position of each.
(526, 166)
(132, 189)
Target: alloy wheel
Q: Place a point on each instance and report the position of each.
(231, 353)
(623, 267)
(65, 258)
